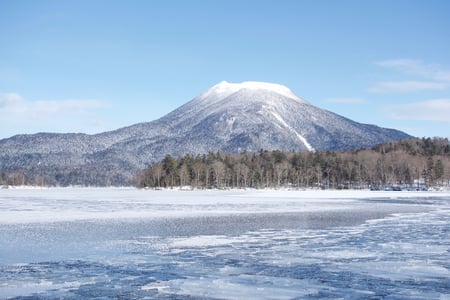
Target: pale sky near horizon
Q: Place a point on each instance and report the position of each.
(92, 66)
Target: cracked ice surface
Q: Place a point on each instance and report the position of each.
(125, 243)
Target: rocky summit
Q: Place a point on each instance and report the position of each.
(229, 117)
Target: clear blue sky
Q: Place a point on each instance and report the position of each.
(92, 66)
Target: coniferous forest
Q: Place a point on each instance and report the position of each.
(413, 164)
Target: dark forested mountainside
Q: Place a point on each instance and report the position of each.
(228, 117)
(417, 147)
(410, 163)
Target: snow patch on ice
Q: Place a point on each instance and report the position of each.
(239, 287)
(21, 289)
(200, 241)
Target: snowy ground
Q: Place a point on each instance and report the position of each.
(127, 243)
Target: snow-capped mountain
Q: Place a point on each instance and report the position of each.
(228, 117)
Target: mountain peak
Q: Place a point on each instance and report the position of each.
(225, 88)
(229, 117)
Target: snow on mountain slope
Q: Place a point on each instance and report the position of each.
(301, 138)
(225, 89)
(228, 117)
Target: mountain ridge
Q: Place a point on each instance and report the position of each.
(228, 117)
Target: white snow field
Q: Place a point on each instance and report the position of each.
(109, 243)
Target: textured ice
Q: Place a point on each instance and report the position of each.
(125, 243)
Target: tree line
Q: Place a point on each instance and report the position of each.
(409, 163)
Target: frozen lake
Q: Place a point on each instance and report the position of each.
(126, 243)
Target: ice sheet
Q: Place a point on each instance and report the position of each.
(126, 243)
(72, 204)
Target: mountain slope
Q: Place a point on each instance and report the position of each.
(228, 117)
